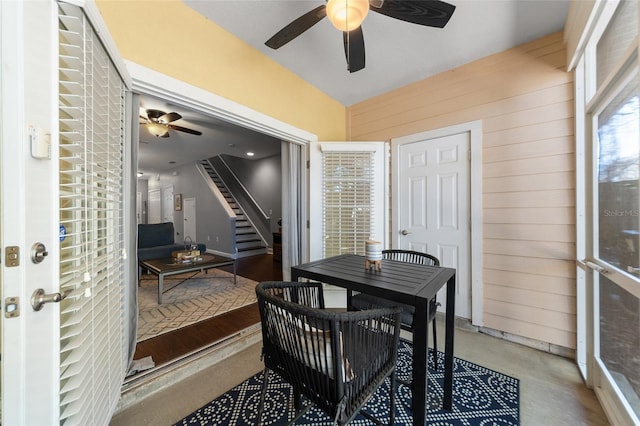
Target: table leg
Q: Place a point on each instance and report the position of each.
(160, 288)
(448, 346)
(419, 384)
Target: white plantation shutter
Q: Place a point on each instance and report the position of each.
(348, 200)
(93, 344)
(352, 196)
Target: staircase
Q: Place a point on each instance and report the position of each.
(248, 242)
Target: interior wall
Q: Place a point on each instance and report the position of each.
(177, 41)
(213, 226)
(524, 98)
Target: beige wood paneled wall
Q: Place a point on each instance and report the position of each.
(524, 98)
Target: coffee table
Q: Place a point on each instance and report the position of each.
(170, 266)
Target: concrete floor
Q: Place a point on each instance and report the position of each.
(551, 389)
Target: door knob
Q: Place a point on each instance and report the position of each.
(39, 298)
(405, 232)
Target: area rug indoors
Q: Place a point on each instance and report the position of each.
(480, 397)
(203, 296)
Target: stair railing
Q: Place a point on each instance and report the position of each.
(263, 227)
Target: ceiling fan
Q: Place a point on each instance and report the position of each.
(158, 123)
(347, 15)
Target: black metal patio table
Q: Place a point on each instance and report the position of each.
(402, 282)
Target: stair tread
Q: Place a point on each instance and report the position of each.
(247, 238)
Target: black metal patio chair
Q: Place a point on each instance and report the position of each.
(367, 301)
(336, 360)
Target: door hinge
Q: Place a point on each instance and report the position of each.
(308, 163)
(12, 256)
(12, 307)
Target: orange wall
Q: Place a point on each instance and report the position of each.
(171, 38)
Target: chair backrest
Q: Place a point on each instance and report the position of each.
(321, 352)
(410, 256)
(155, 234)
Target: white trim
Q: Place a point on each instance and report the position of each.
(587, 33)
(150, 82)
(474, 128)
(584, 291)
(617, 409)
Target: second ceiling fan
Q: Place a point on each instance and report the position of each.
(158, 123)
(347, 15)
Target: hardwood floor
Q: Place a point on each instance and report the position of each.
(177, 343)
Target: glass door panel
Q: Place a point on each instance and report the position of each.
(620, 339)
(618, 173)
(616, 245)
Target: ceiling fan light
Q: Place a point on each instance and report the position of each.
(347, 15)
(157, 129)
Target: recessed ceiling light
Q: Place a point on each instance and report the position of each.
(140, 173)
(250, 154)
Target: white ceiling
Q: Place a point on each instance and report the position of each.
(397, 53)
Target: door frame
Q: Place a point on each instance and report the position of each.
(474, 128)
(149, 82)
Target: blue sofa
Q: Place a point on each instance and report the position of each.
(156, 241)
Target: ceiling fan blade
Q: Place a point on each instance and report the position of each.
(297, 27)
(184, 129)
(354, 49)
(154, 114)
(169, 117)
(432, 13)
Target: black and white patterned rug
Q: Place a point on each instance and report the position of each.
(203, 295)
(480, 397)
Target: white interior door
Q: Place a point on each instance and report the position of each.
(167, 204)
(433, 208)
(155, 206)
(189, 212)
